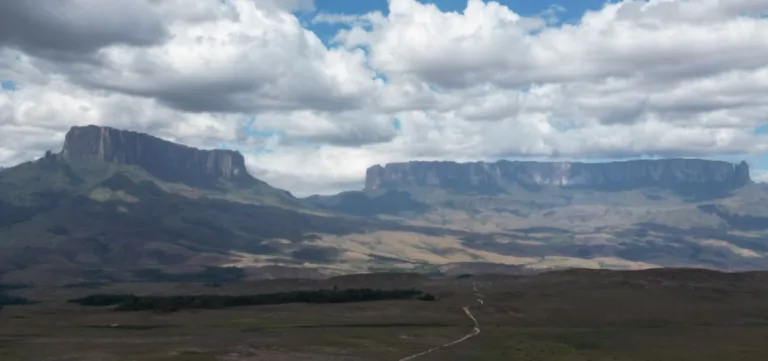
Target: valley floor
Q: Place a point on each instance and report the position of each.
(572, 315)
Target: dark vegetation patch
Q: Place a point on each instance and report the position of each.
(86, 285)
(209, 275)
(177, 303)
(9, 300)
(162, 257)
(363, 204)
(672, 233)
(58, 230)
(316, 254)
(12, 286)
(488, 243)
(588, 339)
(426, 297)
(634, 244)
(378, 325)
(11, 214)
(478, 238)
(653, 197)
(37, 202)
(690, 192)
(537, 230)
(129, 327)
(99, 275)
(378, 257)
(703, 192)
(691, 280)
(734, 220)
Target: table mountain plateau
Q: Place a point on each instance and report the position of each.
(637, 213)
(490, 178)
(121, 205)
(163, 159)
(115, 202)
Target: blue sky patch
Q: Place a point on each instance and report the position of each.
(564, 11)
(261, 151)
(382, 76)
(249, 128)
(306, 144)
(571, 10)
(264, 133)
(8, 85)
(762, 163)
(396, 124)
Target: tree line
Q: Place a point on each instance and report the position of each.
(8, 300)
(129, 302)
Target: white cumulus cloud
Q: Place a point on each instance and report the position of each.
(634, 78)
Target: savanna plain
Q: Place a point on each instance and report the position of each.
(580, 315)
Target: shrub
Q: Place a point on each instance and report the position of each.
(427, 297)
(176, 303)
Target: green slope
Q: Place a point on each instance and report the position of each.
(54, 214)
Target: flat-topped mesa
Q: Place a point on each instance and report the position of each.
(480, 176)
(163, 159)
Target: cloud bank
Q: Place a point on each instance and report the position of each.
(632, 79)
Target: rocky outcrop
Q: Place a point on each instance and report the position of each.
(494, 177)
(161, 158)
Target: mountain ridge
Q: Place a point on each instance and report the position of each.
(122, 201)
(180, 168)
(617, 175)
(164, 159)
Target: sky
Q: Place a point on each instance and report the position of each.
(314, 92)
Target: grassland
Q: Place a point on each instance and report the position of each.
(654, 315)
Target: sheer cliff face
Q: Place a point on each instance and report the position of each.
(666, 173)
(165, 160)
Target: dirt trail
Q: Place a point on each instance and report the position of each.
(475, 330)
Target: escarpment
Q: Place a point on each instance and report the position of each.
(163, 159)
(664, 173)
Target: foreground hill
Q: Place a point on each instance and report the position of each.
(579, 315)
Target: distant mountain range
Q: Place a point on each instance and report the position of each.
(489, 178)
(121, 205)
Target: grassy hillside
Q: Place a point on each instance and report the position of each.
(554, 227)
(59, 215)
(101, 221)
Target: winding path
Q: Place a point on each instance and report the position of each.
(475, 330)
